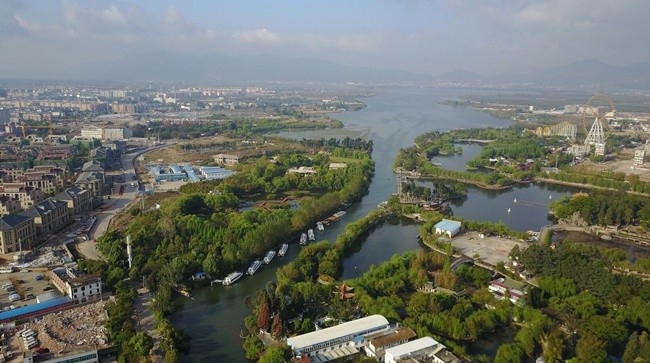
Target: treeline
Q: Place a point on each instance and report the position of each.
(235, 128)
(347, 142)
(435, 143)
(271, 177)
(608, 180)
(608, 312)
(604, 208)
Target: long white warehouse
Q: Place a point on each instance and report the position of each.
(337, 341)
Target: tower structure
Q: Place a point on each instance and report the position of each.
(596, 134)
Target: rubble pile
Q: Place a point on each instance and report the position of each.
(79, 326)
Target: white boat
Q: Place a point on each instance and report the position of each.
(310, 234)
(283, 250)
(303, 239)
(253, 267)
(269, 257)
(340, 214)
(232, 278)
(320, 226)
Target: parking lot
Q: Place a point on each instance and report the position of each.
(492, 249)
(26, 285)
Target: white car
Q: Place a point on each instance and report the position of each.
(14, 297)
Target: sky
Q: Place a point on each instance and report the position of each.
(52, 38)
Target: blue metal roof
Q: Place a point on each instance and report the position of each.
(448, 225)
(14, 313)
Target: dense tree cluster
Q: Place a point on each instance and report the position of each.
(237, 127)
(604, 208)
(347, 143)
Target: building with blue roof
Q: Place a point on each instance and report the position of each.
(448, 227)
(28, 311)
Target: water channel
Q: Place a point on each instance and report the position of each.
(392, 120)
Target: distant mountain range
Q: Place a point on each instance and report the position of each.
(163, 66)
(224, 69)
(587, 73)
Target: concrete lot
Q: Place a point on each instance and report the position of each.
(491, 249)
(25, 284)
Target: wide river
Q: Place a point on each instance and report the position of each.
(392, 120)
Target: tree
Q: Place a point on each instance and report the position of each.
(264, 316)
(140, 344)
(590, 349)
(552, 346)
(509, 353)
(253, 347)
(638, 348)
(276, 355)
(276, 326)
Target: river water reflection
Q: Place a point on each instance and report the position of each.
(393, 119)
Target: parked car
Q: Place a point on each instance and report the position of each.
(39, 277)
(14, 297)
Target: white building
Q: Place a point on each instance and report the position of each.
(419, 349)
(639, 157)
(80, 288)
(337, 341)
(96, 133)
(448, 227)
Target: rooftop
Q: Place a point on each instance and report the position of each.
(448, 225)
(384, 339)
(415, 345)
(339, 331)
(12, 221)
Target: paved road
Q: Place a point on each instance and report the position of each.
(114, 205)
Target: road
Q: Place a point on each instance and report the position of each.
(114, 205)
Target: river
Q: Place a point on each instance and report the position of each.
(392, 120)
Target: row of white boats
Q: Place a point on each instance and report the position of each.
(234, 276)
(309, 236)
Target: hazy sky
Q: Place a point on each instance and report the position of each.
(49, 37)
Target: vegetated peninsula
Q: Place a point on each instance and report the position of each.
(216, 227)
(519, 154)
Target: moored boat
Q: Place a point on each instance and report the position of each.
(269, 257)
(185, 293)
(303, 239)
(232, 278)
(320, 226)
(310, 234)
(254, 267)
(283, 250)
(339, 214)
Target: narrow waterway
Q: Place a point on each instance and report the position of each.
(392, 120)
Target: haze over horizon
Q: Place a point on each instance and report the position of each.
(57, 39)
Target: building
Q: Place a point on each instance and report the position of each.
(26, 195)
(337, 341)
(215, 172)
(639, 157)
(338, 165)
(49, 216)
(92, 133)
(167, 173)
(504, 287)
(15, 228)
(599, 149)
(116, 133)
(8, 205)
(425, 349)
(77, 199)
(37, 309)
(378, 343)
(303, 170)
(80, 288)
(448, 227)
(91, 356)
(226, 159)
(91, 180)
